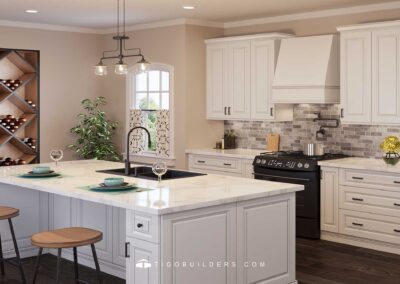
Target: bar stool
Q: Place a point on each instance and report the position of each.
(67, 238)
(7, 213)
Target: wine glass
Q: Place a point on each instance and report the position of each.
(56, 155)
(159, 169)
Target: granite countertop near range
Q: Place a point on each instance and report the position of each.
(229, 153)
(362, 164)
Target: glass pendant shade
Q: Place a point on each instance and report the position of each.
(143, 64)
(100, 69)
(121, 68)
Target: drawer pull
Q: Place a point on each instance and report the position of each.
(396, 182)
(139, 225)
(127, 250)
(226, 164)
(357, 199)
(396, 204)
(358, 224)
(358, 178)
(396, 231)
(201, 162)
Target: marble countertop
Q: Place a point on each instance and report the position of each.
(362, 164)
(171, 196)
(230, 153)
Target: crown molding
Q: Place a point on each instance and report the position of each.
(315, 14)
(28, 25)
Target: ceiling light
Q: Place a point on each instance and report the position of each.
(189, 7)
(32, 11)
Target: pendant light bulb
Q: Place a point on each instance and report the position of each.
(100, 69)
(121, 68)
(143, 64)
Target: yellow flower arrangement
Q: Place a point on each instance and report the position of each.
(390, 144)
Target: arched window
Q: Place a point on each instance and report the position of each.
(150, 101)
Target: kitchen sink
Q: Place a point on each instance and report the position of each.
(147, 173)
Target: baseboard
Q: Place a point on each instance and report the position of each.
(359, 242)
(106, 267)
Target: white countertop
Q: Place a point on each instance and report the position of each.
(231, 153)
(174, 195)
(362, 164)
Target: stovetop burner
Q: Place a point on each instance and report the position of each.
(300, 155)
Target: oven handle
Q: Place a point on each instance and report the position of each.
(290, 178)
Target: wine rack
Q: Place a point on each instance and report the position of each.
(19, 106)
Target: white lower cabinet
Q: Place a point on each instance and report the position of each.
(360, 207)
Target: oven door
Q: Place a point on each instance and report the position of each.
(308, 200)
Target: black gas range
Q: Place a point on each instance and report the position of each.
(297, 168)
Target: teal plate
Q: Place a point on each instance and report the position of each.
(113, 188)
(46, 175)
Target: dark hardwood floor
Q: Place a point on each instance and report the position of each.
(318, 262)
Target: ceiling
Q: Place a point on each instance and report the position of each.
(100, 14)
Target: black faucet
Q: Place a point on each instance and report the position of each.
(127, 162)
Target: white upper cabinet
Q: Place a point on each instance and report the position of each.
(370, 73)
(240, 72)
(386, 76)
(355, 85)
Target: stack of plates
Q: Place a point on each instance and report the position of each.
(104, 188)
(40, 175)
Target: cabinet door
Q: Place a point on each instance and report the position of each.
(355, 77)
(119, 235)
(142, 263)
(262, 75)
(386, 76)
(329, 200)
(266, 240)
(206, 236)
(239, 80)
(217, 76)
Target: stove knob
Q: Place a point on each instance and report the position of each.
(299, 165)
(263, 161)
(258, 161)
(306, 165)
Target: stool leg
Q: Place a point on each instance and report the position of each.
(76, 265)
(96, 262)
(1, 258)
(37, 265)
(21, 270)
(58, 266)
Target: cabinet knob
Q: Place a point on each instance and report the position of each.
(229, 110)
(341, 112)
(396, 231)
(225, 110)
(139, 225)
(271, 111)
(127, 250)
(396, 204)
(358, 224)
(357, 199)
(358, 178)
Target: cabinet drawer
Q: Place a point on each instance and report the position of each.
(216, 163)
(387, 181)
(143, 226)
(369, 200)
(370, 226)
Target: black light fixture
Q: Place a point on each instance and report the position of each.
(120, 67)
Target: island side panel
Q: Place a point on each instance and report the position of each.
(33, 218)
(266, 240)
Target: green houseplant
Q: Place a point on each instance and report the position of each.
(94, 132)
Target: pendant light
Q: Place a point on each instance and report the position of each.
(121, 68)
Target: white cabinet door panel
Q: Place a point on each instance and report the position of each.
(386, 76)
(355, 82)
(217, 76)
(262, 75)
(119, 235)
(266, 240)
(329, 200)
(200, 236)
(239, 80)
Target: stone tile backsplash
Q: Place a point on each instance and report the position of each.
(355, 140)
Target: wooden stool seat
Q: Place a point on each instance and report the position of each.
(8, 212)
(66, 238)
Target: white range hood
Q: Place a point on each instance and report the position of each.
(308, 70)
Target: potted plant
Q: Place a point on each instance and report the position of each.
(391, 147)
(94, 132)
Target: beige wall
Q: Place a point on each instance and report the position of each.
(66, 78)
(183, 48)
(315, 26)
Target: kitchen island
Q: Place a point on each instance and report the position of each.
(204, 229)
